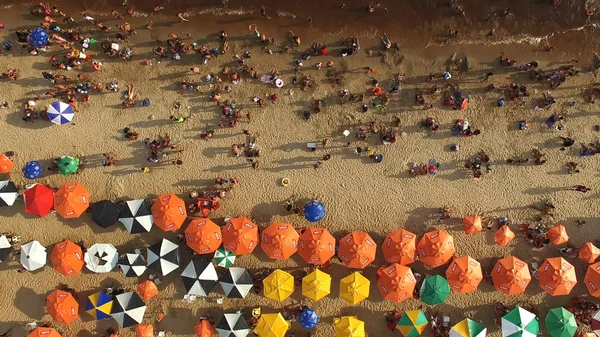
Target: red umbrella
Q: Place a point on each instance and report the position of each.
(39, 200)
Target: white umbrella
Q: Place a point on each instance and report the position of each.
(101, 258)
(33, 255)
(128, 309)
(8, 193)
(232, 325)
(163, 257)
(136, 216)
(132, 264)
(199, 277)
(5, 248)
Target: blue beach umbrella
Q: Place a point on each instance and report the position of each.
(38, 37)
(60, 113)
(308, 319)
(99, 305)
(314, 211)
(32, 170)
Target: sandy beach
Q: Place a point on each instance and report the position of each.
(359, 194)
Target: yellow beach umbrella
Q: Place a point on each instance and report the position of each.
(349, 326)
(279, 285)
(316, 285)
(271, 325)
(354, 288)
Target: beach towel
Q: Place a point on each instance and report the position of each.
(551, 120)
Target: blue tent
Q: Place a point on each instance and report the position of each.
(314, 211)
(38, 37)
(32, 170)
(308, 319)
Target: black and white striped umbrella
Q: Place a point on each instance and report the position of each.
(132, 264)
(5, 248)
(163, 257)
(136, 216)
(233, 325)
(128, 309)
(199, 277)
(236, 283)
(8, 193)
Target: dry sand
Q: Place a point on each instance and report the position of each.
(359, 194)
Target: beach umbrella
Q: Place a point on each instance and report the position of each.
(224, 258)
(32, 170)
(589, 252)
(203, 236)
(163, 257)
(520, 323)
(436, 248)
(63, 308)
(8, 193)
(557, 276)
(38, 37)
(558, 235)
(596, 323)
(396, 282)
(105, 213)
(136, 216)
(99, 305)
(232, 325)
(39, 200)
(236, 282)
(503, 236)
(279, 241)
(468, 328)
(434, 290)
(132, 264)
(314, 211)
(5, 248)
(67, 258)
(592, 279)
(464, 274)
(349, 326)
(279, 285)
(357, 250)
(144, 330)
(6, 164)
(412, 323)
(354, 288)
(511, 276)
(472, 224)
(101, 258)
(147, 290)
(560, 323)
(33, 255)
(316, 245)
(67, 165)
(400, 247)
(308, 319)
(271, 325)
(71, 200)
(199, 277)
(203, 328)
(169, 212)
(44, 332)
(240, 236)
(316, 285)
(60, 113)
(128, 309)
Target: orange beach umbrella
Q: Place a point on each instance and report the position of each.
(316, 245)
(67, 258)
(63, 308)
(204, 328)
(436, 248)
(472, 224)
(357, 250)
(44, 332)
(203, 236)
(557, 276)
(400, 247)
(144, 330)
(71, 200)
(396, 282)
(592, 279)
(464, 274)
(558, 235)
(589, 252)
(169, 212)
(147, 290)
(511, 276)
(504, 236)
(6, 164)
(240, 236)
(279, 241)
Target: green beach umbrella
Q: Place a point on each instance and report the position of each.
(412, 323)
(434, 290)
(560, 323)
(67, 165)
(520, 323)
(468, 328)
(224, 258)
